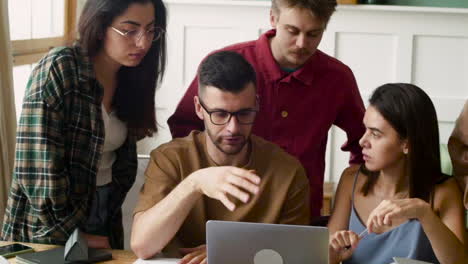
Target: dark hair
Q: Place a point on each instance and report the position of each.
(409, 110)
(225, 70)
(323, 9)
(134, 96)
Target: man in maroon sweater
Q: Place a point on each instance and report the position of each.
(302, 91)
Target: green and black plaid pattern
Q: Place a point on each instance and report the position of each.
(59, 143)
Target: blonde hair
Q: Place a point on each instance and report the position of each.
(323, 9)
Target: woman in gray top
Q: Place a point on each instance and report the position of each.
(409, 208)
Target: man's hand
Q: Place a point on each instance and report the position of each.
(95, 241)
(217, 182)
(196, 255)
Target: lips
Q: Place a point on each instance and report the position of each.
(365, 157)
(137, 55)
(300, 53)
(234, 140)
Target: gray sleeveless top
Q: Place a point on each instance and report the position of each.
(407, 240)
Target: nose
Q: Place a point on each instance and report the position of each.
(301, 41)
(363, 141)
(142, 42)
(233, 125)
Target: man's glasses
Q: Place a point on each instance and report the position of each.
(222, 117)
(151, 34)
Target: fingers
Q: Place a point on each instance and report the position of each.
(246, 174)
(226, 202)
(236, 192)
(185, 259)
(375, 216)
(236, 180)
(217, 182)
(195, 257)
(243, 183)
(388, 218)
(334, 244)
(342, 244)
(387, 214)
(198, 259)
(375, 222)
(343, 239)
(354, 240)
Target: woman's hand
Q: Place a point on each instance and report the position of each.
(391, 213)
(342, 245)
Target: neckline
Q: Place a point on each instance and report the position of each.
(363, 226)
(213, 163)
(104, 110)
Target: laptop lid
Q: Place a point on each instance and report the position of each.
(257, 243)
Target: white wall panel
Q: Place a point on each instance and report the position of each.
(441, 65)
(196, 46)
(371, 56)
(427, 46)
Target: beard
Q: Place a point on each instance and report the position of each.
(299, 56)
(227, 148)
(300, 51)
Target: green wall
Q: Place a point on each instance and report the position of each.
(438, 3)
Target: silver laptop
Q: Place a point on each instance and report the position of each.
(255, 243)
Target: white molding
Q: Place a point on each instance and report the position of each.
(405, 23)
(395, 8)
(219, 3)
(372, 8)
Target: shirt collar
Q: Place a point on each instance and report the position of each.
(84, 64)
(270, 67)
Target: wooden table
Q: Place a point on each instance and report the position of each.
(118, 256)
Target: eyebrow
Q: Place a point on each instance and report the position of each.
(313, 30)
(240, 110)
(135, 23)
(375, 129)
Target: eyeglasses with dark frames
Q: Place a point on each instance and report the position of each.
(222, 117)
(152, 34)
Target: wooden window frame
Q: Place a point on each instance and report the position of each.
(29, 51)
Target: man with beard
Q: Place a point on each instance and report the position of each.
(302, 91)
(458, 149)
(222, 173)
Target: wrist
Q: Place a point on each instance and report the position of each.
(426, 215)
(192, 184)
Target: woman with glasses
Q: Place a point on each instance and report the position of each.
(398, 204)
(85, 107)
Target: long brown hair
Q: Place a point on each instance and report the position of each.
(409, 110)
(134, 96)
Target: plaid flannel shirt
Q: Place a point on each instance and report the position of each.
(59, 144)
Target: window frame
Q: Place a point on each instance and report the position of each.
(29, 51)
